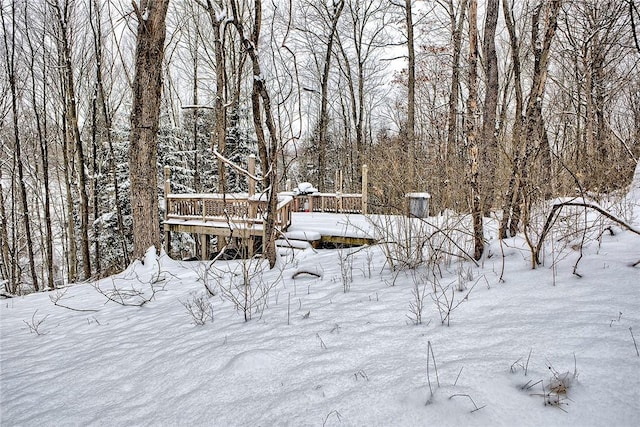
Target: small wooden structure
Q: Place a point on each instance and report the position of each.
(239, 218)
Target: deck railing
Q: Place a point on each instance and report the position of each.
(330, 202)
(234, 208)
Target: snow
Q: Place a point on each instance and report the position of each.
(303, 235)
(316, 355)
(331, 224)
(305, 188)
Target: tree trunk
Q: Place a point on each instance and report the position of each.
(145, 114)
(102, 96)
(41, 127)
(220, 132)
(533, 133)
(324, 101)
(74, 130)
(452, 125)
(10, 50)
(411, 94)
(5, 271)
(268, 150)
(489, 151)
(471, 130)
(511, 208)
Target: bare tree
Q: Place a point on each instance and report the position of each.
(102, 101)
(9, 39)
(147, 93)
(63, 17)
(489, 151)
(471, 132)
(532, 133)
(217, 17)
(456, 32)
(334, 16)
(262, 118)
(40, 116)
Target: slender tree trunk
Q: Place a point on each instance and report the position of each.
(452, 126)
(268, 149)
(41, 127)
(324, 100)
(10, 51)
(489, 151)
(452, 161)
(5, 271)
(533, 133)
(220, 131)
(71, 254)
(94, 168)
(511, 208)
(63, 17)
(145, 115)
(411, 93)
(102, 96)
(471, 130)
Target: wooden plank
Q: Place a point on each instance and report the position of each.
(212, 231)
(352, 241)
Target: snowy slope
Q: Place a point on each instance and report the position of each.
(317, 355)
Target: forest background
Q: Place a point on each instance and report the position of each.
(491, 106)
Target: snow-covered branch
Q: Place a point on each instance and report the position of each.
(239, 168)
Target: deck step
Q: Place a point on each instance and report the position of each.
(309, 236)
(293, 244)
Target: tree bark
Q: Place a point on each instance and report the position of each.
(63, 17)
(489, 152)
(41, 127)
(102, 96)
(268, 149)
(324, 101)
(145, 114)
(10, 50)
(471, 131)
(220, 132)
(411, 93)
(456, 29)
(533, 133)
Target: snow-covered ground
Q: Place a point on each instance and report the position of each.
(316, 355)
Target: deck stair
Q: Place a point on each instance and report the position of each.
(299, 240)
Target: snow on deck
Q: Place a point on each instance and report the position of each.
(330, 224)
(304, 225)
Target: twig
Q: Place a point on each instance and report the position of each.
(634, 341)
(456, 381)
(35, 324)
(433, 357)
(238, 168)
(322, 344)
(310, 273)
(466, 395)
(55, 299)
(338, 416)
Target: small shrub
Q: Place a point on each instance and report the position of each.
(200, 309)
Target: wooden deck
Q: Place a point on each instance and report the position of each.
(239, 218)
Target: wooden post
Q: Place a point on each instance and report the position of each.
(167, 191)
(365, 184)
(253, 212)
(204, 247)
(252, 171)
